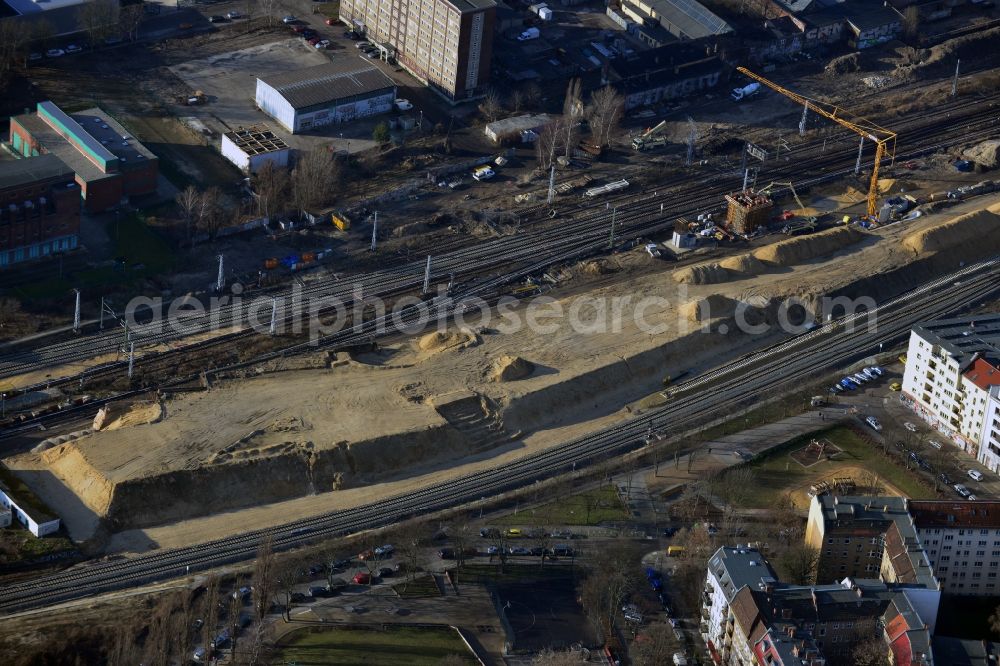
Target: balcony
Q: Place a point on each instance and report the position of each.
(705, 614)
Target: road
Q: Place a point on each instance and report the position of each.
(753, 377)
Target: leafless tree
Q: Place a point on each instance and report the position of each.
(869, 647)
(871, 483)
(603, 113)
(268, 9)
(271, 186)
(129, 20)
(540, 537)
(13, 39)
(800, 562)
(265, 577)
(490, 107)
(159, 641)
(911, 21)
(461, 536)
(124, 649)
(653, 644)
(572, 111)
(188, 201)
(286, 577)
(233, 616)
(994, 621)
(9, 309)
(532, 93)
(516, 101)
(409, 543)
(181, 625)
(548, 142)
(209, 212)
(498, 539)
(209, 613)
(314, 179)
(99, 18)
(550, 657)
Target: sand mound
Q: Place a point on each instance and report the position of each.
(981, 228)
(745, 263)
(803, 248)
(510, 369)
(438, 341)
(710, 307)
(117, 416)
(844, 64)
(894, 185)
(984, 154)
(710, 273)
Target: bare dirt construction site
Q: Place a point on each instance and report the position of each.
(331, 431)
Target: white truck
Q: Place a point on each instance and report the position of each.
(740, 94)
(530, 33)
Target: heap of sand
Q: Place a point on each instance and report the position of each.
(713, 306)
(801, 249)
(980, 229)
(510, 369)
(441, 340)
(743, 264)
(708, 273)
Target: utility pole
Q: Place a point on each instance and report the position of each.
(692, 137)
(76, 313)
(220, 278)
(101, 324)
(374, 230)
(274, 317)
(802, 123)
(552, 184)
(746, 179)
(427, 275)
(954, 83)
(131, 358)
(611, 241)
(857, 165)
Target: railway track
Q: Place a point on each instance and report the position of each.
(779, 367)
(521, 255)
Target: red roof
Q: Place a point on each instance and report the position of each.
(983, 374)
(954, 513)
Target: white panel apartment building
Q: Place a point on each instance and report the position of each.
(447, 44)
(989, 445)
(951, 366)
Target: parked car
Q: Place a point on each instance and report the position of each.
(446, 553)
(299, 29)
(562, 534)
(350, 34)
(298, 597)
(669, 531)
(961, 490)
(385, 550)
(489, 532)
(562, 551)
(313, 41)
(54, 53)
(73, 48)
(319, 591)
(336, 584)
(341, 564)
(912, 427)
(366, 555)
(493, 550)
(289, 19)
(935, 444)
(944, 478)
(975, 475)
(972, 498)
(860, 378)
(403, 104)
(215, 18)
(221, 640)
(895, 386)
(32, 57)
(333, 21)
(323, 44)
(234, 15)
(385, 572)
(848, 384)
(519, 551)
(514, 532)
(877, 370)
(873, 422)
(199, 655)
(836, 388)
(243, 593)
(362, 578)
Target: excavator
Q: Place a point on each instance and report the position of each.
(651, 138)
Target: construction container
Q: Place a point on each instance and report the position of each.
(308, 257)
(270, 264)
(341, 222)
(748, 210)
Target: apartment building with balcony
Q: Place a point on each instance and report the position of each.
(749, 617)
(446, 44)
(951, 367)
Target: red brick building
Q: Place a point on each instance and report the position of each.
(39, 209)
(109, 163)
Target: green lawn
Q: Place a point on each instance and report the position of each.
(328, 9)
(777, 473)
(362, 646)
(146, 254)
(422, 586)
(603, 503)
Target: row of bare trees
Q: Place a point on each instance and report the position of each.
(602, 115)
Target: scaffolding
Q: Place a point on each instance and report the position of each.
(747, 211)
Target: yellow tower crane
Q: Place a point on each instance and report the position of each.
(885, 140)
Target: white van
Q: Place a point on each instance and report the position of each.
(975, 475)
(483, 173)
